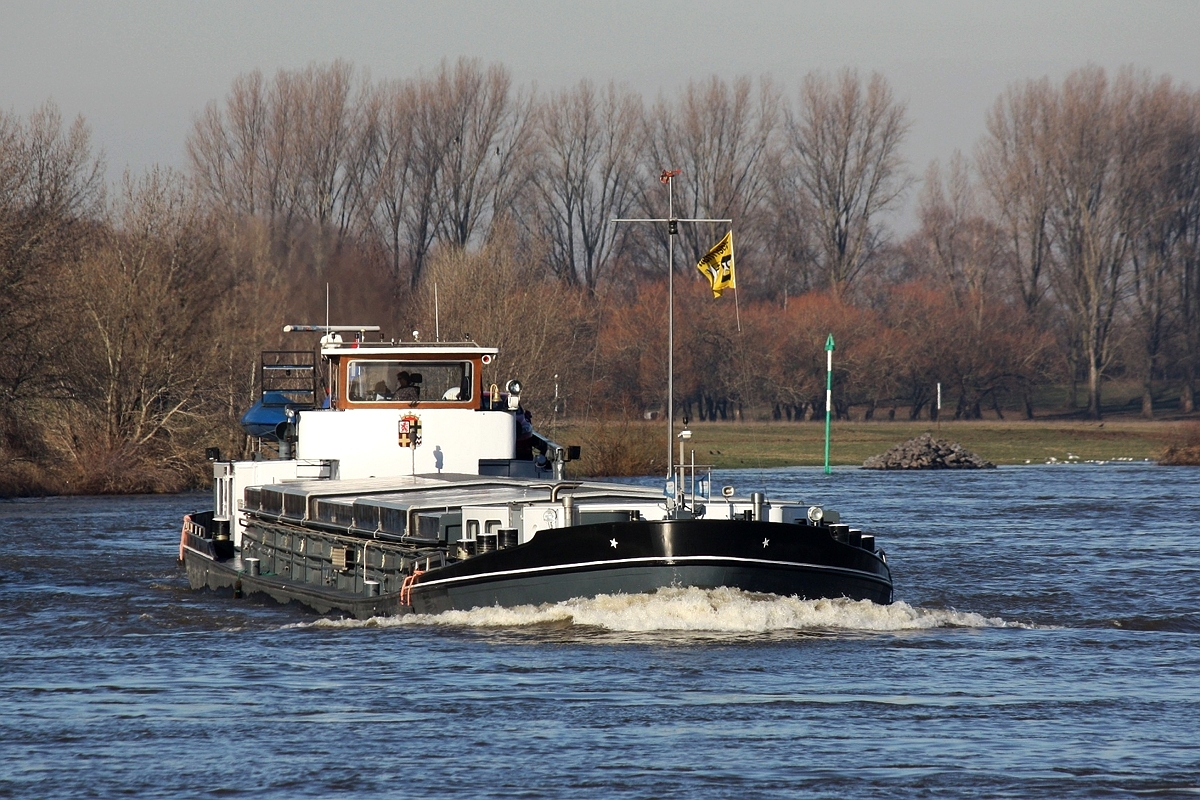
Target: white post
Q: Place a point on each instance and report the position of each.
(828, 384)
(829, 345)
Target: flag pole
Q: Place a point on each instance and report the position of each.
(828, 394)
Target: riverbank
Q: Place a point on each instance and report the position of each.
(730, 445)
(639, 447)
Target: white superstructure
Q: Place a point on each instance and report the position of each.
(382, 410)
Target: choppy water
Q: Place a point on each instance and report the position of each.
(1045, 643)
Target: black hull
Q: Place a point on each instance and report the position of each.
(589, 560)
(564, 585)
(584, 561)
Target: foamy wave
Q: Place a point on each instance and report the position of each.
(698, 610)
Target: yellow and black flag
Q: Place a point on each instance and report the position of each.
(717, 265)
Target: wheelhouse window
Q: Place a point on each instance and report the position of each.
(379, 381)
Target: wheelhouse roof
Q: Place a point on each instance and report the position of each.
(421, 350)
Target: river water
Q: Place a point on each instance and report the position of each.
(1045, 642)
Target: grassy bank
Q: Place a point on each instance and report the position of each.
(779, 444)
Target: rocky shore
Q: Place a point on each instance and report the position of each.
(925, 452)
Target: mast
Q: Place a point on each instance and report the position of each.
(672, 229)
(668, 177)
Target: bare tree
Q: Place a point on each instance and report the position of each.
(441, 155)
(289, 151)
(485, 134)
(51, 193)
(226, 148)
(1187, 272)
(240, 155)
(389, 133)
(723, 137)
(1090, 216)
(328, 165)
(140, 360)
(1014, 163)
(1160, 124)
(589, 142)
(844, 150)
(789, 256)
(981, 348)
(960, 246)
(515, 155)
(430, 145)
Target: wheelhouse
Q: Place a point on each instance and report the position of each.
(386, 375)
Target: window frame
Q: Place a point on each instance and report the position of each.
(395, 363)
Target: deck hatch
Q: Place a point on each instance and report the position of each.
(393, 520)
(429, 526)
(295, 505)
(366, 516)
(272, 500)
(335, 512)
(253, 500)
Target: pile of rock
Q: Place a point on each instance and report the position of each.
(1185, 451)
(925, 452)
(1178, 455)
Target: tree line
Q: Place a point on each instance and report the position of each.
(1064, 250)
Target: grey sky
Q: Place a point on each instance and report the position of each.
(140, 71)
